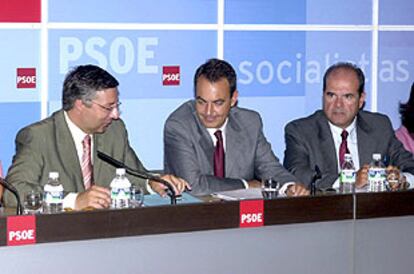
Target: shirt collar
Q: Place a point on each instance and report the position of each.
(211, 131)
(337, 131)
(77, 133)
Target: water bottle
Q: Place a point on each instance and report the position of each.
(120, 190)
(53, 194)
(376, 174)
(348, 175)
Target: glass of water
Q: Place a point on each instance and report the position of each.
(33, 201)
(270, 188)
(137, 196)
(394, 179)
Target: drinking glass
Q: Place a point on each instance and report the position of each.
(137, 196)
(270, 188)
(394, 179)
(33, 201)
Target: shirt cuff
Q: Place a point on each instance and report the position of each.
(69, 200)
(336, 184)
(282, 190)
(148, 187)
(410, 178)
(245, 183)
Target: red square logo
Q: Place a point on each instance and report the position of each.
(21, 230)
(251, 213)
(20, 10)
(26, 78)
(171, 75)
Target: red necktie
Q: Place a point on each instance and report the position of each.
(87, 169)
(219, 155)
(343, 148)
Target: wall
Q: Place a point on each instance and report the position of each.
(280, 50)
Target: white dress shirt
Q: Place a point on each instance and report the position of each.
(352, 141)
(213, 137)
(211, 132)
(78, 135)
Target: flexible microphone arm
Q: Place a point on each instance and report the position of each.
(316, 176)
(113, 162)
(12, 189)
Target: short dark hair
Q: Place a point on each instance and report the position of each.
(407, 112)
(214, 70)
(82, 82)
(346, 66)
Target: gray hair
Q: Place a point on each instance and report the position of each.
(82, 82)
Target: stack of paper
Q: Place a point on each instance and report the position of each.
(239, 194)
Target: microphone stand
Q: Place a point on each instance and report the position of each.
(316, 176)
(12, 189)
(170, 190)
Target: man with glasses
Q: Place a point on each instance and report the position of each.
(68, 141)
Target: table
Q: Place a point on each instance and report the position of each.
(360, 233)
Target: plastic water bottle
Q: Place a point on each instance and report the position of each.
(53, 194)
(376, 174)
(120, 190)
(348, 175)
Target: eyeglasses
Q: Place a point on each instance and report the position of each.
(108, 109)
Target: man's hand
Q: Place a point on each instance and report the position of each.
(396, 180)
(178, 184)
(254, 184)
(362, 176)
(297, 189)
(96, 197)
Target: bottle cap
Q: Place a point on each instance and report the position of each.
(120, 171)
(376, 156)
(54, 175)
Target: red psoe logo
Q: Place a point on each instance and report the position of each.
(21, 230)
(171, 75)
(20, 11)
(251, 213)
(26, 78)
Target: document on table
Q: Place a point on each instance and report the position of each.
(239, 194)
(155, 200)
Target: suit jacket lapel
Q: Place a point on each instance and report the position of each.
(234, 145)
(66, 150)
(205, 143)
(97, 165)
(327, 146)
(365, 144)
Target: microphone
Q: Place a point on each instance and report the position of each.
(113, 162)
(12, 189)
(316, 176)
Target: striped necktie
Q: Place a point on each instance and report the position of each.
(87, 169)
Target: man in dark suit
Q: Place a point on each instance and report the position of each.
(211, 125)
(316, 140)
(90, 112)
